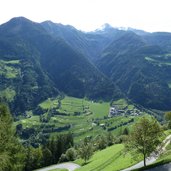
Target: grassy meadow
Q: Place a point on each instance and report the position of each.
(110, 159)
(83, 117)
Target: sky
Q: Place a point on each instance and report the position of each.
(88, 15)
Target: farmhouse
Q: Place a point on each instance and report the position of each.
(102, 125)
(113, 111)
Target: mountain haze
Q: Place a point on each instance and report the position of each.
(46, 66)
(140, 69)
(41, 60)
(90, 44)
(127, 57)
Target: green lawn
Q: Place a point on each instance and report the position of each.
(99, 109)
(72, 104)
(110, 159)
(122, 104)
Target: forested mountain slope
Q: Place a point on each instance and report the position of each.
(42, 65)
(40, 60)
(141, 69)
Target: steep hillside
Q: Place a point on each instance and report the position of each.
(141, 70)
(90, 44)
(40, 59)
(45, 64)
(23, 82)
(163, 39)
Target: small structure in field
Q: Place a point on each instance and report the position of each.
(113, 111)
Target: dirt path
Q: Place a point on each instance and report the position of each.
(70, 166)
(153, 157)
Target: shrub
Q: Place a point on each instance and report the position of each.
(71, 154)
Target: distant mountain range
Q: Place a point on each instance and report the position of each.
(41, 60)
(138, 62)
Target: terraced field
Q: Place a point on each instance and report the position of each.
(82, 117)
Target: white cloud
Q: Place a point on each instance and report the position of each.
(151, 15)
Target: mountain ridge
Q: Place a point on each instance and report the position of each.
(93, 64)
(65, 69)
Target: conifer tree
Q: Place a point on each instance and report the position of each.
(12, 154)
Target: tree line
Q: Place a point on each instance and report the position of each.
(14, 156)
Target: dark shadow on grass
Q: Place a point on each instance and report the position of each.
(85, 163)
(153, 165)
(105, 164)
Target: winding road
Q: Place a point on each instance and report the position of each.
(153, 157)
(69, 165)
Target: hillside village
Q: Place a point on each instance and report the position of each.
(115, 110)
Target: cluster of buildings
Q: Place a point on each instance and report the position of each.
(115, 111)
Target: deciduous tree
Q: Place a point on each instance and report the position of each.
(168, 118)
(145, 137)
(86, 151)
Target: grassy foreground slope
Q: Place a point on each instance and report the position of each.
(110, 159)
